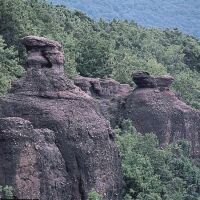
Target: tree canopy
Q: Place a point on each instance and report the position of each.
(183, 14)
(151, 173)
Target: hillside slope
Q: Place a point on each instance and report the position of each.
(183, 14)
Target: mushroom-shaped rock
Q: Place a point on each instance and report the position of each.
(164, 81)
(39, 42)
(153, 107)
(45, 75)
(42, 52)
(48, 99)
(145, 80)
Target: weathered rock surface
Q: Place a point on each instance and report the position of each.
(107, 92)
(102, 88)
(46, 98)
(31, 162)
(153, 107)
(71, 149)
(144, 80)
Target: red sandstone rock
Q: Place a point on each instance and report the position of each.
(153, 107)
(48, 99)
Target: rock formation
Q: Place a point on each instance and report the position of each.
(102, 88)
(55, 142)
(153, 107)
(144, 80)
(31, 162)
(107, 92)
(48, 99)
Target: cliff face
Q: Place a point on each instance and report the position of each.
(151, 106)
(31, 162)
(108, 93)
(48, 99)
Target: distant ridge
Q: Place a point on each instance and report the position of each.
(181, 14)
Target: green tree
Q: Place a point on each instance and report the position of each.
(9, 67)
(92, 56)
(6, 192)
(154, 173)
(187, 83)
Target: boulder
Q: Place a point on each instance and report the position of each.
(48, 99)
(31, 162)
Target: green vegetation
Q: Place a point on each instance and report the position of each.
(100, 49)
(6, 192)
(9, 67)
(115, 49)
(151, 173)
(94, 196)
(183, 14)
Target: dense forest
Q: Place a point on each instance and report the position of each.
(183, 14)
(115, 49)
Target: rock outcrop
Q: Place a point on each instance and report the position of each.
(107, 92)
(31, 162)
(153, 107)
(102, 88)
(48, 99)
(144, 80)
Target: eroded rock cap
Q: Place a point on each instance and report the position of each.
(35, 41)
(145, 80)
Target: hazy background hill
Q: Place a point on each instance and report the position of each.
(183, 14)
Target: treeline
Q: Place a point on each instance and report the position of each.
(172, 13)
(99, 49)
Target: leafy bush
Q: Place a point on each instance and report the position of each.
(152, 173)
(6, 192)
(94, 196)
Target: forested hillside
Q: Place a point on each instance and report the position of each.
(183, 14)
(100, 49)
(95, 49)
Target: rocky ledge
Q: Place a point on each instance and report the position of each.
(31, 162)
